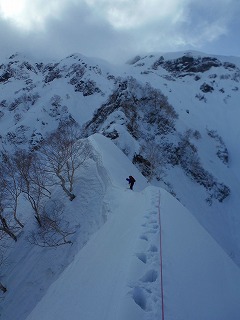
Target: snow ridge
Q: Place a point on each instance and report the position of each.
(117, 273)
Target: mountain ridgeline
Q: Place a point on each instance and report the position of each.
(173, 115)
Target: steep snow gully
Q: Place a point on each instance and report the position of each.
(150, 260)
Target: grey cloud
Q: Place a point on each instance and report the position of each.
(79, 27)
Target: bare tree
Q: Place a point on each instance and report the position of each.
(55, 230)
(34, 180)
(12, 184)
(5, 221)
(2, 288)
(5, 227)
(63, 153)
(153, 153)
(2, 261)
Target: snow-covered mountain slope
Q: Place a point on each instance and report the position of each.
(117, 274)
(174, 115)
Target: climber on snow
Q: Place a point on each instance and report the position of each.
(131, 181)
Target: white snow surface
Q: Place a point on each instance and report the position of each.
(116, 271)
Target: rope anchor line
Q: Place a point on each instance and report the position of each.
(161, 255)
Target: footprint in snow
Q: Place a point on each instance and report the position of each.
(153, 221)
(140, 297)
(144, 237)
(153, 212)
(150, 276)
(142, 257)
(153, 248)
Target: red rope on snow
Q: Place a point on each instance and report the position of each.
(161, 258)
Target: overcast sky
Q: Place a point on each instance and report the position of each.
(117, 30)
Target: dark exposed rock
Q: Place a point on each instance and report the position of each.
(6, 76)
(87, 87)
(187, 64)
(206, 88)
